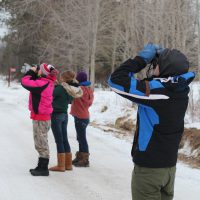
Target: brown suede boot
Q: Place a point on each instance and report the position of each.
(68, 161)
(61, 163)
(83, 161)
(77, 158)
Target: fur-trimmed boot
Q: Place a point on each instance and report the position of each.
(61, 163)
(83, 161)
(42, 168)
(77, 158)
(68, 161)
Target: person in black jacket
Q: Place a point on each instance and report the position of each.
(162, 102)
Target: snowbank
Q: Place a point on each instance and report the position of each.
(108, 106)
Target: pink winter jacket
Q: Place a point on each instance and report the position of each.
(41, 95)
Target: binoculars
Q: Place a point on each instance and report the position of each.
(154, 62)
(37, 67)
(152, 65)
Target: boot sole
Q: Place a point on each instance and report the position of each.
(81, 165)
(69, 169)
(39, 174)
(56, 170)
(44, 174)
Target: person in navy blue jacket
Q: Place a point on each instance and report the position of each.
(162, 102)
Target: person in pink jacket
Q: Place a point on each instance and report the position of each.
(40, 82)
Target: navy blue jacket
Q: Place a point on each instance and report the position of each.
(162, 103)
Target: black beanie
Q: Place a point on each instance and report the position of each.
(172, 63)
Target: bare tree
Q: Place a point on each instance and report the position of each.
(97, 35)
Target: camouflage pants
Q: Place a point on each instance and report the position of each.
(40, 130)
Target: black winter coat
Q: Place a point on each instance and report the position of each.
(162, 103)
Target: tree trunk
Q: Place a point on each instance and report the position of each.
(94, 40)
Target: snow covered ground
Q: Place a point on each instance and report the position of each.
(108, 178)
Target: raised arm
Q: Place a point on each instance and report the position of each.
(75, 92)
(123, 81)
(31, 83)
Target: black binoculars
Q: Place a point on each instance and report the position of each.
(37, 67)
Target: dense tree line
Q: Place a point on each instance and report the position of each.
(96, 35)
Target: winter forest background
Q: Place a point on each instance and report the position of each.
(96, 35)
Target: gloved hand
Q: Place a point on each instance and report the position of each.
(25, 68)
(34, 69)
(149, 52)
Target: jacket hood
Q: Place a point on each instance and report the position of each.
(178, 83)
(85, 83)
(172, 63)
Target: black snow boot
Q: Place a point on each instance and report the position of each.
(42, 168)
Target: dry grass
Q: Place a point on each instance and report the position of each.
(192, 136)
(124, 123)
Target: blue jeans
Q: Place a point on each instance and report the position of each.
(81, 125)
(59, 127)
